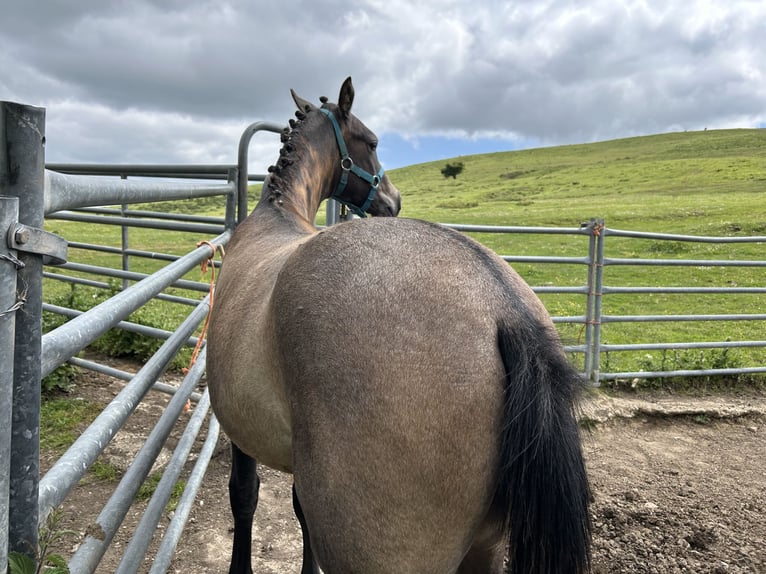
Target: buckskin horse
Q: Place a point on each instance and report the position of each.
(406, 376)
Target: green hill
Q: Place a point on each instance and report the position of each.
(709, 182)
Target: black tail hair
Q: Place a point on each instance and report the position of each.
(543, 485)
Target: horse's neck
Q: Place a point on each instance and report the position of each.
(291, 198)
(299, 182)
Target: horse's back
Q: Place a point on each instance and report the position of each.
(387, 333)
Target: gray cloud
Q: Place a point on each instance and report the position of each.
(178, 81)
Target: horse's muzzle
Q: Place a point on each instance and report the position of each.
(388, 203)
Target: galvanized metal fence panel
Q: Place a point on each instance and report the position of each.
(83, 188)
(604, 291)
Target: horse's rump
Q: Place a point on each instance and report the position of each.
(388, 338)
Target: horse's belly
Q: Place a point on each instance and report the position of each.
(261, 432)
(249, 401)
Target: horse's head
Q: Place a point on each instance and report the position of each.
(362, 184)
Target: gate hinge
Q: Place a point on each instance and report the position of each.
(32, 240)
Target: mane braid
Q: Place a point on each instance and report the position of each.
(287, 157)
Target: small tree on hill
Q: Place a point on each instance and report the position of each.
(452, 170)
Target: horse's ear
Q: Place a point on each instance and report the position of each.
(303, 105)
(346, 97)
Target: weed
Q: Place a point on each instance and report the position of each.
(690, 360)
(62, 378)
(104, 471)
(45, 560)
(701, 419)
(587, 424)
(61, 420)
(147, 489)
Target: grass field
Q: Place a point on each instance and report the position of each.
(710, 183)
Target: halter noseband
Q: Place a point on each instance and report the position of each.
(347, 165)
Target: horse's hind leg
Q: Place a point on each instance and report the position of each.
(483, 560)
(487, 553)
(309, 565)
(243, 497)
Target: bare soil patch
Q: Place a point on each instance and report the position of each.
(679, 486)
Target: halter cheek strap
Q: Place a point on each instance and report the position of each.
(347, 165)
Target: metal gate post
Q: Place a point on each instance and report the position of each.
(232, 199)
(597, 308)
(332, 212)
(9, 264)
(22, 173)
(242, 158)
(124, 231)
(590, 303)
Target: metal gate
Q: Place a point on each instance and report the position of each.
(29, 193)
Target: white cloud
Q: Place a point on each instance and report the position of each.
(178, 81)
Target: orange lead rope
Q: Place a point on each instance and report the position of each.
(204, 266)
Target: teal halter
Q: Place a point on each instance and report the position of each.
(347, 165)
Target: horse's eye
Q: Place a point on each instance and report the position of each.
(373, 146)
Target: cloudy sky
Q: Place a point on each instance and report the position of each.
(176, 81)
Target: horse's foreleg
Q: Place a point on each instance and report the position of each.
(243, 497)
(309, 566)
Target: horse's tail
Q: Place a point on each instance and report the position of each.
(543, 484)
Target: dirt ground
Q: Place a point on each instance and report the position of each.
(679, 486)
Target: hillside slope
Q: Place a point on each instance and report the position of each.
(710, 182)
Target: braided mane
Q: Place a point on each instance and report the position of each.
(289, 153)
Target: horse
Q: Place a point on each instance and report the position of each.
(408, 378)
